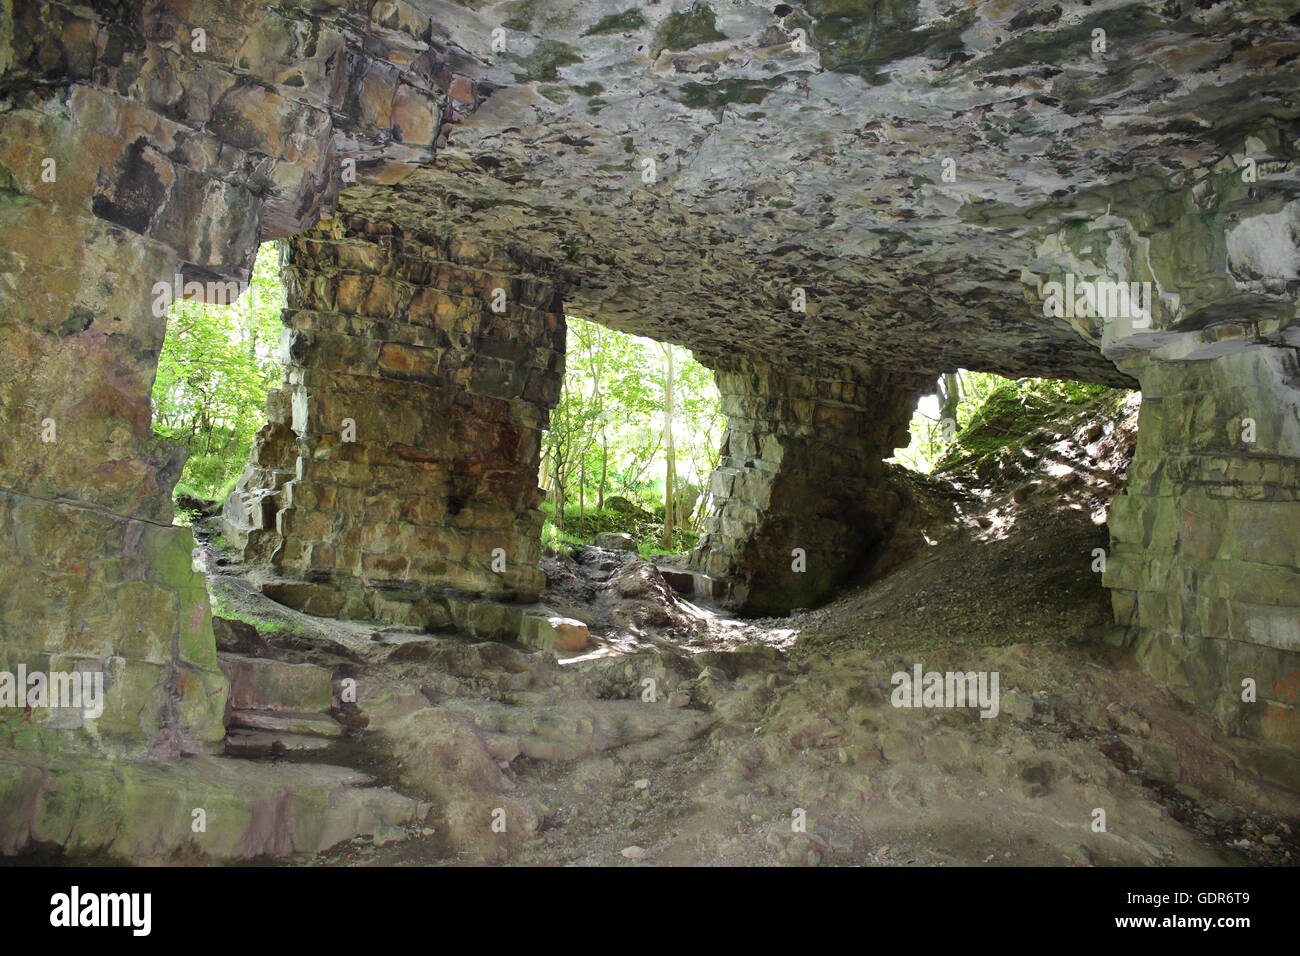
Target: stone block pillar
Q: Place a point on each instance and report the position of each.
(1204, 564)
(397, 476)
(801, 468)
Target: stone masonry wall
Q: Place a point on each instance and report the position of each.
(139, 141)
(400, 458)
(1205, 560)
(801, 467)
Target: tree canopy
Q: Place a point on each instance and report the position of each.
(216, 365)
(608, 438)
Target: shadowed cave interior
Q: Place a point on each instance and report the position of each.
(366, 654)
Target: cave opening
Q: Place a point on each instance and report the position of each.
(220, 356)
(638, 424)
(970, 414)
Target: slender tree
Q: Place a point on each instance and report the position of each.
(670, 472)
(951, 393)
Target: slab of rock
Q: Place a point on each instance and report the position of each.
(257, 742)
(258, 684)
(616, 541)
(486, 619)
(286, 723)
(143, 811)
(683, 582)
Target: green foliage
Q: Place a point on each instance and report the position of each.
(1008, 418)
(607, 436)
(553, 537)
(993, 413)
(645, 527)
(216, 365)
(650, 550)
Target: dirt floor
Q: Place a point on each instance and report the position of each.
(686, 736)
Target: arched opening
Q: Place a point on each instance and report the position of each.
(217, 363)
(638, 424)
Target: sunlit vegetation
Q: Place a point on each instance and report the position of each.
(216, 365)
(638, 422)
(1003, 407)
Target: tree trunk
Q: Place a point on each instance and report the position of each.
(951, 396)
(604, 469)
(670, 476)
(557, 486)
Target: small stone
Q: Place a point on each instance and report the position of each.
(1021, 494)
(642, 784)
(634, 852)
(385, 835)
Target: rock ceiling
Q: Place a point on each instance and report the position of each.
(777, 168)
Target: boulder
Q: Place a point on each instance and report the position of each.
(549, 631)
(616, 541)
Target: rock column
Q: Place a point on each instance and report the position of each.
(94, 578)
(799, 494)
(1205, 544)
(397, 476)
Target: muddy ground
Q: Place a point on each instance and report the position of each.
(686, 736)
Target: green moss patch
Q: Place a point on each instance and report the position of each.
(858, 36)
(624, 22)
(714, 96)
(690, 28)
(545, 61)
(1013, 413)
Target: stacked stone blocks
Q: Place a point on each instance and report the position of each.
(400, 460)
(1205, 560)
(802, 468)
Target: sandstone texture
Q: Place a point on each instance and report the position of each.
(401, 455)
(831, 202)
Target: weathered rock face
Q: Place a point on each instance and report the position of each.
(900, 162)
(1206, 559)
(92, 576)
(134, 150)
(915, 176)
(1203, 559)
(402, 453)
(799, 489)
